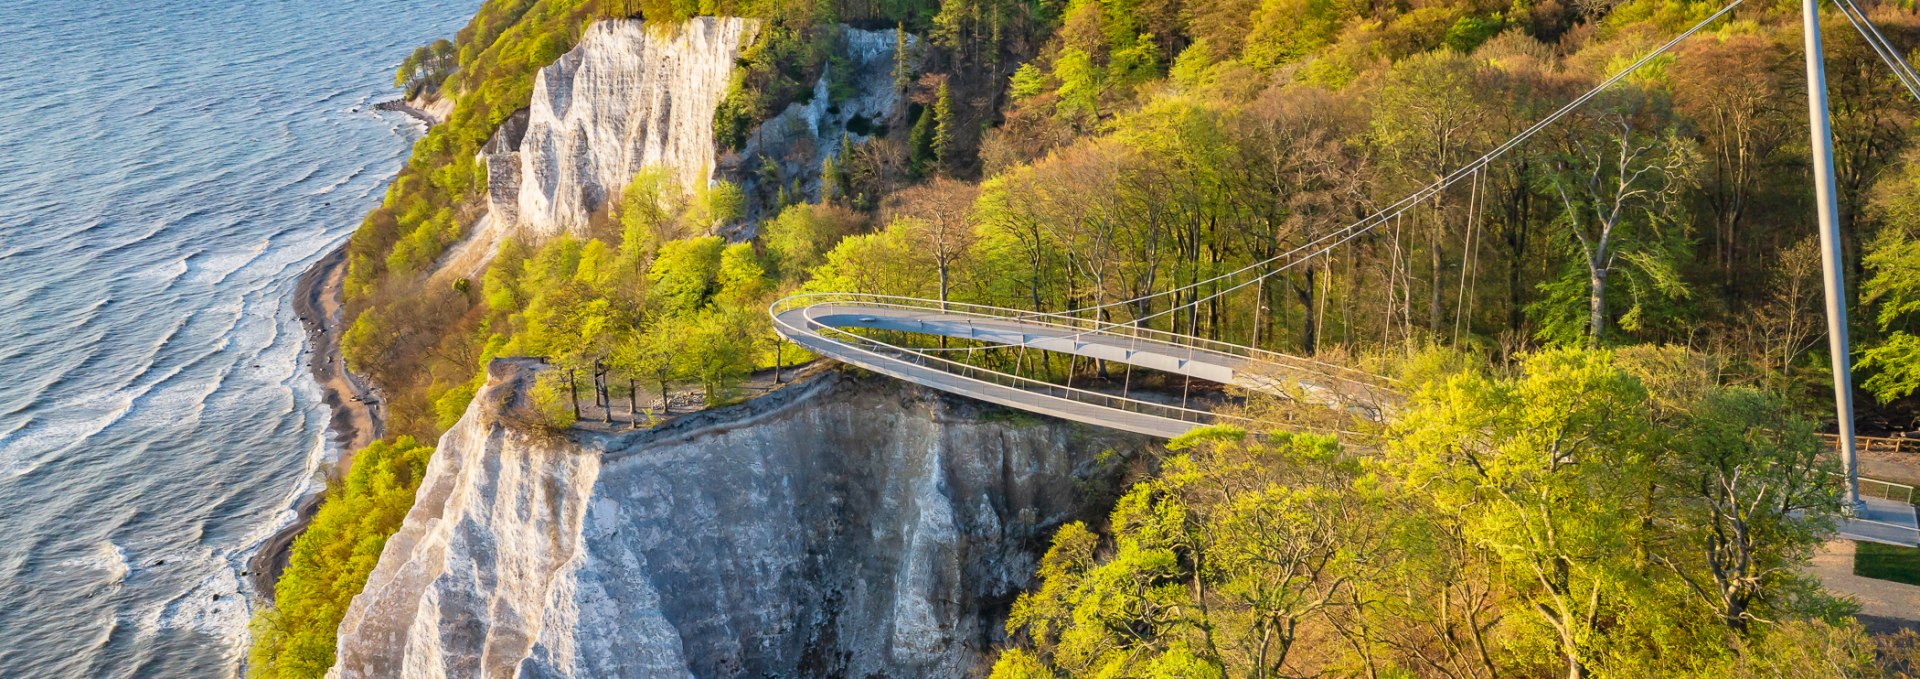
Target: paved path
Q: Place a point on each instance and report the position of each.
(1884, 605)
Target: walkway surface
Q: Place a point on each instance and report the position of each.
(813, 326)
(1887, 521)
(1885, 606)
(815, 322)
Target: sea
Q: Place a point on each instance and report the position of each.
(168, 169)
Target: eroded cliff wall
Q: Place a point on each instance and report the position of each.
(846, 526)
(630, 95)
(634, 94)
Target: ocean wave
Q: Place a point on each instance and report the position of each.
(106, 558)
(215, 266)
(214, 606)
(342, 181)
(156, 398)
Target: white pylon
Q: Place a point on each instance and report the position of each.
(1830, 261)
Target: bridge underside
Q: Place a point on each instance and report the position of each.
(1883, 520)
(805, 325)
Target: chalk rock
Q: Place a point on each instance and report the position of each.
(629, 96)
(844, 526)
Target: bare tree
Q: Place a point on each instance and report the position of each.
(941, 216)
(1620, 183)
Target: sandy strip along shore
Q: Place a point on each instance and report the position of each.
(358, 415)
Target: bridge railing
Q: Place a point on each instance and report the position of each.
(1061, 397)
(1349, 376)
(1898, 492)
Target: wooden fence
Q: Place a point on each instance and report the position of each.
(1878, 444)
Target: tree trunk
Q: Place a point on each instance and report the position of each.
(573, 393)
(1596, 305)
(1439, 278)
(603, 391)
(1310, 326)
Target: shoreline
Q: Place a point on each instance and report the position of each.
(356, 418)
(406, 107)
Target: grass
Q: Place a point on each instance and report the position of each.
(1887, 562)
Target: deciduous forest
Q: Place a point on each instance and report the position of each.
(1611, 338)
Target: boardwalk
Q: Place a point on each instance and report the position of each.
(814, 322)
(818, 322)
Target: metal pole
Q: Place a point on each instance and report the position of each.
(1830, 263)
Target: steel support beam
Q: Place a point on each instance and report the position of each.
(1828, 205)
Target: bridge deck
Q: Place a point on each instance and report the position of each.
(804, 326)
(1884, 521)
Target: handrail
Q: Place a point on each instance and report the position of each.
(1075, 323)
(969, 372)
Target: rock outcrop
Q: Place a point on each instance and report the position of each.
(808, 132)
(843, 526)
(501, 156)
(633, 95)
(630, 95)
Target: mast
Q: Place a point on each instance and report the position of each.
(1828, 206)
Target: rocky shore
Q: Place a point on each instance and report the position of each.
(431, 110)
(357, 413)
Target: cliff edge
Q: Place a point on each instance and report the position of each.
(844, 526)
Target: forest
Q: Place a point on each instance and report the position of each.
(1625, 312)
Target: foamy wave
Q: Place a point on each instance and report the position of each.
(214, 607)
(106, 558)
(215, 267)
(343, 181)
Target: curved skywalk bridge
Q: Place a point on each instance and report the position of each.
(822, 323)
(826, 323)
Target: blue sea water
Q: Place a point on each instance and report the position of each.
(168, 168)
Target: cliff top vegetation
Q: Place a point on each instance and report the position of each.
(1059, 155)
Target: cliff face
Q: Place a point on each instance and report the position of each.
(805, 133)
(633, 95)
(627, 97)
(845, 526)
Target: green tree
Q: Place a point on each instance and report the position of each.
(715, 205)
(741, 280)
(902, 59)
(1027, 82)
(1080, 85)
(719, 350)
(1217, 566)
(920, 149)
(683, 274)
(656, 355)
(330, 561)
(1622, 184)
(1892, 363)
(943, 127)
(1539, 471)
(802, 234)
(649, 213)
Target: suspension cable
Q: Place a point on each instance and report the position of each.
(1326, 243)
(1418, 196)
(1881, 47)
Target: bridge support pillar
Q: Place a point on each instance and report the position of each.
(1828, 206)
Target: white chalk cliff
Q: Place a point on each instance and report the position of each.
(633, 95)
(844, 526)
(630, 95)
